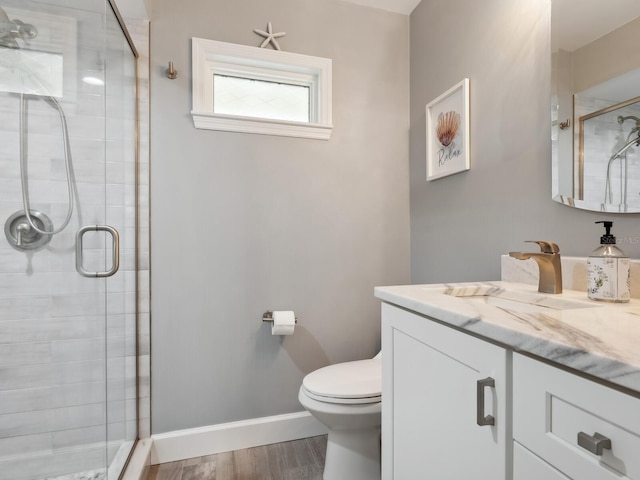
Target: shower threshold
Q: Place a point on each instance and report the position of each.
(99, 474)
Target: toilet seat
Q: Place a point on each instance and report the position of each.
(355, 382)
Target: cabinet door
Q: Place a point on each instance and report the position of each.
(553, 408)
(527, 466)
(430, 401)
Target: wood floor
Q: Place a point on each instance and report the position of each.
(295, 460)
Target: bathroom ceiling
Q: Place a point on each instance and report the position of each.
(139, 8)
(576, 23)
(608, 15)
(399, 6)
(582, 20)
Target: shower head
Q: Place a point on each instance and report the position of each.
(11, 30)
(622, 119)
(635, 129)
(6, 31)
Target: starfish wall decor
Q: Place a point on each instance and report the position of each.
(270, 37)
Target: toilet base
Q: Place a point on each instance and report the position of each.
(353, 454)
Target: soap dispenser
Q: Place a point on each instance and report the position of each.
(608, 270)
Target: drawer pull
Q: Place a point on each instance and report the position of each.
(595, 444)
(481, 419)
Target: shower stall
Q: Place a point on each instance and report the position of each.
(68, 256)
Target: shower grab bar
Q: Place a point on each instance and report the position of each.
(115, 237)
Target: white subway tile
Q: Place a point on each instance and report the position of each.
(42, 398)
(25, 444)
(75, 437)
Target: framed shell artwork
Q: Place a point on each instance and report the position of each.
(448, 132)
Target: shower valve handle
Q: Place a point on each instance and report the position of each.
(21, 229)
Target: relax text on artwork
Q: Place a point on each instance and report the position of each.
(448, 153)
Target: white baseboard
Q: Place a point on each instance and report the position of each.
(225, 437)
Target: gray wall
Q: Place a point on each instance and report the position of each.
(607, 57)
(245, 223)
(460, 225)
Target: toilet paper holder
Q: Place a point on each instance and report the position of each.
(268, 317)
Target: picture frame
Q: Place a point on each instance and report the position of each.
(448, 132)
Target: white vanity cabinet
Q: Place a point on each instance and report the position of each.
(444, 408)
(550, 367)
(552, 408)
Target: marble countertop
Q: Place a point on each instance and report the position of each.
(598, 338)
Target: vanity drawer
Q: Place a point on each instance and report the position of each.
(527, 466)
(552, 406)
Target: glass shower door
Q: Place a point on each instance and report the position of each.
(67, 341)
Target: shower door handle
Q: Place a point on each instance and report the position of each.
(115, 242)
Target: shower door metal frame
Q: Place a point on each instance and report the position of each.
(136, 55)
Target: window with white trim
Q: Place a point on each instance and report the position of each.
(238, 88)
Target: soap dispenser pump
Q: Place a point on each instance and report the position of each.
(608, 270)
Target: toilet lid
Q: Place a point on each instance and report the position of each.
(361, 379)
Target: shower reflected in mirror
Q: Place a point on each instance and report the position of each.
(595, 98)
(632, 140)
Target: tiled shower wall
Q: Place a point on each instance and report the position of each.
(59, 399)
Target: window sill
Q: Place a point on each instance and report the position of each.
(262, 126)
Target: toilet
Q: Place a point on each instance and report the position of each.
(346, 398)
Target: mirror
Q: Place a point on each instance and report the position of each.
(595, 104)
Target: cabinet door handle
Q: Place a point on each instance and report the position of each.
(481, 418)
(595, 444)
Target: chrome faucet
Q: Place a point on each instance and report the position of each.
(548, 260)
